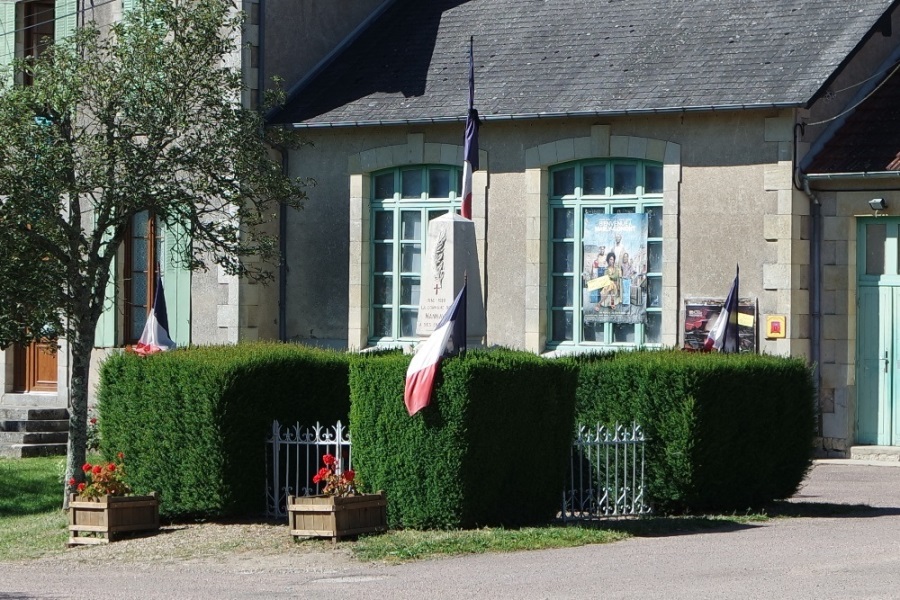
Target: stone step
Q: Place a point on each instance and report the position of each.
(24, 437)
(878, 453)
(36, 426)
(27, 413)
(31, 450)
(34, 400)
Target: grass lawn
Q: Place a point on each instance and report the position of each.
(32, 522)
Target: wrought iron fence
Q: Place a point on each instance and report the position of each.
(294, 454)
(606, 474)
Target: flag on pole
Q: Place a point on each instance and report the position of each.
(448, 339)
(470, 158)
(724, 334)
(155, 337)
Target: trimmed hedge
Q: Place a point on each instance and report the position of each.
(489, 450)
(725, 431)
(192, 422)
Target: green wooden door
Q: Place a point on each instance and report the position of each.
(878, 339)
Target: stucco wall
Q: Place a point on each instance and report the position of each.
(734, 168)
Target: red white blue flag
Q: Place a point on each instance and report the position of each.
(724, 334)
(449, 338)
(155, 337)
(470, 157)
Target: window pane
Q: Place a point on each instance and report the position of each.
(434, 214)
(624, 179)
(876, 235)
(624, 210)
(384, 257)
(564, 182)
(411, 225)
(562, 291)
(595, 180)
(411, 258)
(384, 225)
(139, 290)
(139, 254)
(563, 257)
(408, 318)
(653, 179)
(140, 222)
(411, 183)
(653, 329)
(562, 325)
(384, 186)
(593, 331)
(383, 323)
(563, 222)
(138, 320)
(655, 254)
(654, 292)
(409, 290)
(623, 333)
(654, 221)
(383, 289)
(439, 183)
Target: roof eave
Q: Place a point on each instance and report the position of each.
(545, 115)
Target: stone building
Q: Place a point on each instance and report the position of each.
(705, 134)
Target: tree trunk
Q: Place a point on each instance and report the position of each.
(80, 352)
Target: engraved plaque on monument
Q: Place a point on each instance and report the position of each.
(452, 258)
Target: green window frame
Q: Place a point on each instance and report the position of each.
(404, 201)
(579, 192)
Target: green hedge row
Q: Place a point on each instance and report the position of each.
(725, 431)
(192, 423)
(489, 449)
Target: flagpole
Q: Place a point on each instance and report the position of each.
(470, 148)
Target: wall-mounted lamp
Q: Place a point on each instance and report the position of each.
(877, 204)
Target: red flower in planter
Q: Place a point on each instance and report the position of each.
(101, 481)
(337, 482)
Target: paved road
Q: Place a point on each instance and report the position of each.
(850, 554)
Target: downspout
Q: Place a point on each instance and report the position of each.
(815, 278)
(282, 253)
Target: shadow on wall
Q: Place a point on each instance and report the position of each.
(383, 60)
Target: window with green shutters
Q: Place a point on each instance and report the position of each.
(404, 201)
(605, 253)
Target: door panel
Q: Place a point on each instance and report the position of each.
(35, 368)
(870, 378)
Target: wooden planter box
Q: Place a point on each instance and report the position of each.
(110, 516)
(327, 516)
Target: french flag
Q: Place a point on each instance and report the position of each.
(155, 337)
(470, 157)
(448, 339)
(724, 334)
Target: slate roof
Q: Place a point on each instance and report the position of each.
(869, 140)
(556, 57)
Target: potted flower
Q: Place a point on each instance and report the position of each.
(101, 507)
(339, 510)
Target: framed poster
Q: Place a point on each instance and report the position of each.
(700, 315)
(614, 267)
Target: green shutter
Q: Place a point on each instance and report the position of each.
(127, 5)
(7, 40)
(105, 334)
(66, 18)
(177, 283)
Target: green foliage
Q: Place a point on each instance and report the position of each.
(192, 423)
(490, 449)
(725, 431)
(141, 115)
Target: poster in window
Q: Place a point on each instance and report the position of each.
(614, 271)
(700, 316)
